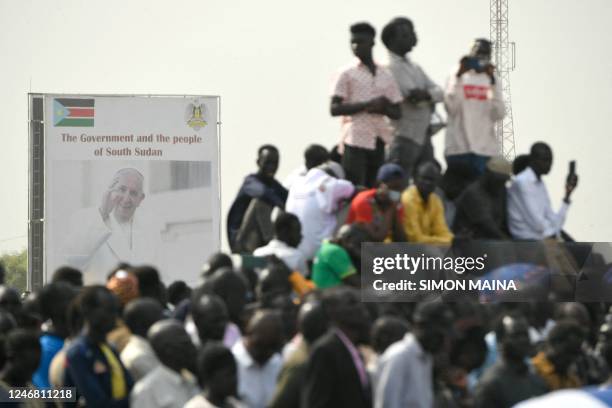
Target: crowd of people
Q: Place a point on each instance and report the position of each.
(279, 322)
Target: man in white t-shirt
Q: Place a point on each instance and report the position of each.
(473, 101)
(287, 236)
(314, 200)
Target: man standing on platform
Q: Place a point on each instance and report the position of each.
(411, 140)
(363, 95)
(473, 101)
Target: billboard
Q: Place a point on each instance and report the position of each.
(126, 179)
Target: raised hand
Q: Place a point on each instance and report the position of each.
(109, 200)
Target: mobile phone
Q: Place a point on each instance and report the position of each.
(473, 63)
(572, 169)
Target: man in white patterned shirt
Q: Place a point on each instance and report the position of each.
(411, 139)
(364, 94)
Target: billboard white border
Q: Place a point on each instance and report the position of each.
(37, 264)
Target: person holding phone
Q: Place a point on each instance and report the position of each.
(473, 101)
(530, 213)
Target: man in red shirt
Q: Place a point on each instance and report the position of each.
(377, 208)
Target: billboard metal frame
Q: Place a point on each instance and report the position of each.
(37, 273)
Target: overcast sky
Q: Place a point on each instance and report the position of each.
(272, 61)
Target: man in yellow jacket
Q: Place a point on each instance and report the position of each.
(423, 218)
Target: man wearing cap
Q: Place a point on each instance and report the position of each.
(473, 101)
(481, 208)
(377, 208)
(423, 219)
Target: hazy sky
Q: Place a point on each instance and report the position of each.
(272, 62)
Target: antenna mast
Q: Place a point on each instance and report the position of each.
(504, 59)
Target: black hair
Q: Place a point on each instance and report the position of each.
(217, 261)
(335, 299)
(15, 344)
(482, 44)
(54, 300)
(178, 291)
(196, 302)
(428, 163)
(283, 223)
(2, 274)
(218, 281)
(266, 147)
(140, 314)
(312, 323)
(431, 310)
(315, 155)
(563, 330)
(68, 274)
(386, 330)
(520, 163)
(212, 358)
(538, 147)
(363, 28)
(20, 339)
(230, 286)
(89, 298)
(7, 322)
(149, 283)
(484, 41)
(10, 297)
(273, 281)
(390, 30)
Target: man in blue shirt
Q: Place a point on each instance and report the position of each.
(92, 366)
(54, 300)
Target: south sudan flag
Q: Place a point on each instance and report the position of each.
(73, 112)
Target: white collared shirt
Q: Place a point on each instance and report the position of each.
(404, 376)
(256, 383)
(530, 214)
(292, 257)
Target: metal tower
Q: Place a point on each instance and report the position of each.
(504, 60)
